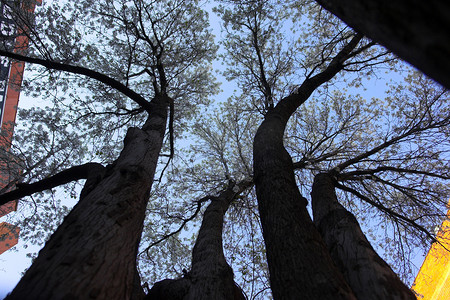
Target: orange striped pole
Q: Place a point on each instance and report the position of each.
(11, 75)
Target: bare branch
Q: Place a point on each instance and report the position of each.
(83, 71)
(413, 130)
(72, 174)
(185, 221)
(386, 210)
(368, 172)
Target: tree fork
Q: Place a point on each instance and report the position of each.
(298, 259)
(210, 277)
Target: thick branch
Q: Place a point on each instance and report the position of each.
(210, 234)
(287, 106)
(82, 71)
(75, 173)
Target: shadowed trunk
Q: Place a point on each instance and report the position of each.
(92, 254)
(210, 277)
(415, 30)
(299, 262)
(369, 276)
(138, 291)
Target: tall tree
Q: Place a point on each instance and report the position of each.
(80, 259)
(287, 227)
(389, 157)
(210, 276)
(419, 128)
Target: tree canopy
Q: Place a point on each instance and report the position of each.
(193, 192)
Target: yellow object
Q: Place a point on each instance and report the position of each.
(433, 280)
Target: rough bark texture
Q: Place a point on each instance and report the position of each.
(213, 276)
(298, 260)
(415, 30)
(92, 254)
(210, 277)
(299, 263)
(169, 289)
(369, 276)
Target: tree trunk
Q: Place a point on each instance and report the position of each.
(138, 291)
(210, 277)
(213, 276)
(299, 263)
(415, 30)
(369, 276)
(92, 254)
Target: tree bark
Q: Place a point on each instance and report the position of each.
(213, 276)
(138, 291)
(415, 30)
(369, 276)
(92, 254)
(299, 263)
(210, 277)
